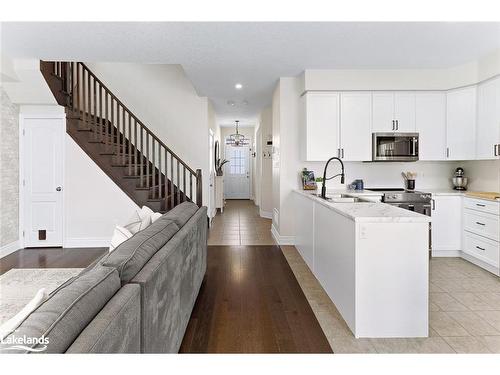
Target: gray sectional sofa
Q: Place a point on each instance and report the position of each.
(137, 299)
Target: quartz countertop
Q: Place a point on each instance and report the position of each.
(366, 211)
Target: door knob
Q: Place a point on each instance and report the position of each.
(58, 188)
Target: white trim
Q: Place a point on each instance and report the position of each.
(446, 253)
(480, 263)
(282, 240)
(265, 214)
(22, 117)
(10, 248)
(87, 242)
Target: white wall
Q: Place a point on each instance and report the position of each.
(164, 99)
(265, 163)
(93, 203)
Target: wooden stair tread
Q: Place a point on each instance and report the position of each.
(100, 138)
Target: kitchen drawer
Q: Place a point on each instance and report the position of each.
(481, 248)
(484, 224)
(482, 205)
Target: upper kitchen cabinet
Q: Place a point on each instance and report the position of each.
(320, 129)
(461, 124)
(393, 111)
(430, 116)
(355, 126)
(488, 120)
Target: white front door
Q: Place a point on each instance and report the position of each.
(43, 177)
(237, 172)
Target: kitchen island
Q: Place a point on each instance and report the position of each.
(372, 260)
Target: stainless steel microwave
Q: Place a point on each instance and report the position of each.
(394, 146)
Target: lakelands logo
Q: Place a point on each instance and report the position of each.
(30, 344)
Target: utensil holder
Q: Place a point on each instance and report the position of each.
(410, 184)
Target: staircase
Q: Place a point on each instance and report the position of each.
(118, 142)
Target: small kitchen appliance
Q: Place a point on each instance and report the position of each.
(394, 146)
(459, 179)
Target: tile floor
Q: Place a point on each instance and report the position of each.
(240, 224)
(464, 311)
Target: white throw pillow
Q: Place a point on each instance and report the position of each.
(155, 216)
(140, 220)
(120, 235)
(13, 323)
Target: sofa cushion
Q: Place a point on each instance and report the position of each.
(130, 256)
(182, 213)
(68, 311)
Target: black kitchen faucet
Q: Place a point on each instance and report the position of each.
(342, 176)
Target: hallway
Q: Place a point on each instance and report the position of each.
(240, 224)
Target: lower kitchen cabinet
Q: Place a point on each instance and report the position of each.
(446, 225)
(481, 233)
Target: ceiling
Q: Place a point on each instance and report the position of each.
(217, 55)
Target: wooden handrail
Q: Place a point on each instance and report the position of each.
(101, 110)
(135, 117)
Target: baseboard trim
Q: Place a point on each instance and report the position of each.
(282, 240)
(87, 242)
(9, 248)
(265, 214)
(478, 262)
(446, 253)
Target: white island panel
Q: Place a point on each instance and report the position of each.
(392, 287)
(334, 259)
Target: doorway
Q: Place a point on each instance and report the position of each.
(237, 172)
(42, 181)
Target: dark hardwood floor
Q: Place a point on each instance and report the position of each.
(250, 302)
(51, 258)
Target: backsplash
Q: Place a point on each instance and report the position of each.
(430, 175)
(483, 175)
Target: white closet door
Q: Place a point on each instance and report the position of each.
(43, 179)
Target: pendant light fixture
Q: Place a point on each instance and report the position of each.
(237, 139)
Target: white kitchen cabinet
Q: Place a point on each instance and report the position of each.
(393, 111)
(488, 120)
(461, 124)
(430, 116)
(383, 112)
(355, 126)
(481, 233)
(320, 128)
(404, 111)
(446, 225)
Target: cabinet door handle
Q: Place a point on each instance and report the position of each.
(480, 248)
(342, 154)
(338, 152)
(447, 152)
(480, 205)
(479, 223)
(397, 124)
(433, 204)
(393, 126)
(495, 148)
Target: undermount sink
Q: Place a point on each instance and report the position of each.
(339, 198)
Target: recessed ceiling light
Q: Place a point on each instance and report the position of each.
(238, 86)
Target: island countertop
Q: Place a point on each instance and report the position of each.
(367, 211)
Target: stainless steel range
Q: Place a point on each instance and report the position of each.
(409, 200)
